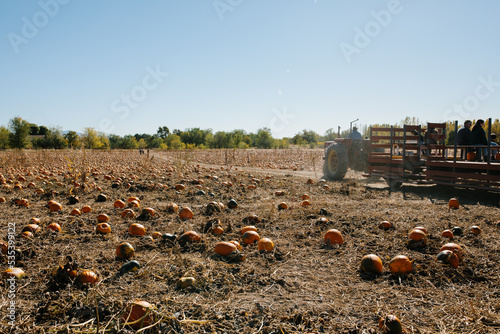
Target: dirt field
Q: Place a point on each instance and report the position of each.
(302, 286)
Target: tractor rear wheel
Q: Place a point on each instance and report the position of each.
(336, 162)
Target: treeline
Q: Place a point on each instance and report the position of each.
(20, 133)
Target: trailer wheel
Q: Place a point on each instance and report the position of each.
(336, 162)
(393, 183)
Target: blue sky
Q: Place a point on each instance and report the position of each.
(127, 67)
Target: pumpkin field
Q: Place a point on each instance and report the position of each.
(238, 241)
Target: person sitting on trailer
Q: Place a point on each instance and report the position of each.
(478, 138)
(494, 144)
(355, 135)
(463, 137)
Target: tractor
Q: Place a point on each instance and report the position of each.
(343, 153)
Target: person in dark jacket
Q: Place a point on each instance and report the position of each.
(478, 138)
(463, 137)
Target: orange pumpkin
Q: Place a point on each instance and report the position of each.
(250, 237)
(128, 213)
(248, 228)
(34, 220)
(333, 237)
(133, 198)
(237, 244)
(124, 250)
(54, 227)
(27, 235)
(119, 204)
(421, 228)
(4, 246)
(102, 217)
(189, 236)
(265, 245)
(138, 315)
(149, 211)
(454, 248)
(390, 324)
(385, 225)
(476, 230)
(185, 213)
(33, 228)
(172, 208)
(103, 228)
(453, 203)
(86, 209)
(225, 248)
(75, 212)
(448, 257)
(371, 263)
(156, 235)
(88, 276)
(136, 229)
(133, 204)
(471, 156)
(2, 200)
(282, 206)
(55, 206)
(418, 235)
(305, 196)
(400, 265)
(179, 187)
(447, 234)
(218, 230)
(305, 203)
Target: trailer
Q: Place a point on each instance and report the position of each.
(413, 154)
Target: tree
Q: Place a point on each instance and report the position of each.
(163, 132)
(4, 138)
(72, 139)
(142, 143)
(264, 138)
(19, 133)
(42, 131)
(53, 139)
(34, 129)
(91, 139)
(329, 135)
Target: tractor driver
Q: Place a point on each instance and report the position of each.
(355, 135)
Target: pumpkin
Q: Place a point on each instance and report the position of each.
(455, 249)
(418, 235)
(305, 196)
(136, 229)
(185, 213)
(248, 228)
(385, 225)
(17, 273)
(400, 265)
(156, 235)
(124, 250)
(4, 246)
(128, 213)
(86, 209)
(279, 193)
(55, 206)
(75, 212)
(22, 202)
(447, 234)
(133, 198)
(309, 181)
(421, 228)
(103, 228)
(282, 206)
(54, 227)
(333, 237)
(218, 230)
(457, 230)
(189, 236)
(476, 230)
(172, 208)
(305, 203)
(453, 203)
(371, 263)
(237, 244)
(149, 211)
(225, 248)
(102, 217)
(133, 204)
(250, 237)
(138, 315)
(185, 282)
(179, 187)
(87, 276)
(119, 204)
(390, 324)
(265, 245)
(448, 257)
(27, 235)
(130, 266)
(471, 156)
(2, 200)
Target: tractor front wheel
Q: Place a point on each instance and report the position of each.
(336, 162)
